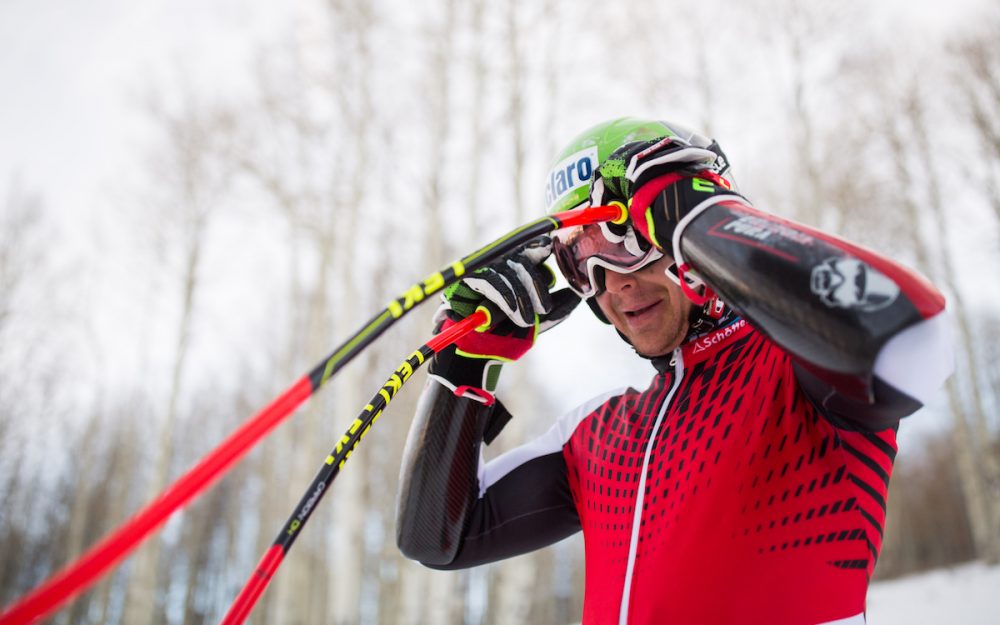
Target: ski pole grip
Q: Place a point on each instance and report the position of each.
(622, 216)
(450, 335)
(493, 316)
(615, 212)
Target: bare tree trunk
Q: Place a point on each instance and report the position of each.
(203, 521)
(810, 188)
(273, 467)
(114, 502)
(978, 74)
(705, 82)
(974, 486)
(79, 517)
(552, 72)
(142, 606)
(439, 91)
(345, 584)
(413, 594)
(975, 438)
(291, 458)
(967, 455)
(806, 33)
(514, 579)
(516, 76)
(479, 143)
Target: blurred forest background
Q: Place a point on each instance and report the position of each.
(265, 200)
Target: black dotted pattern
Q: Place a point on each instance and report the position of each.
(745, 480)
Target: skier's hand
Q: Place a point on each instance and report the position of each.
(516, 292)
(518, 288)
(638, 172)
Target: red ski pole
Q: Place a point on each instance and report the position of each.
(85, 571)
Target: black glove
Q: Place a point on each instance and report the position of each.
(518, 287)
(637, 172)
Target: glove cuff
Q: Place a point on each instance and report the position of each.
(475, 378)
(659, 205)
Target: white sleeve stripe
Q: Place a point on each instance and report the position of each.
(919, 359)
(550, 442)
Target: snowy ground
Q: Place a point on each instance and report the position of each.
(968, 594)
(964, 595)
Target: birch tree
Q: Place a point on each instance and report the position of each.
(427, 596)
(972, 424)
(20, 214)
(320, 194)
(192, 185)
(899, 122)
(977, 72)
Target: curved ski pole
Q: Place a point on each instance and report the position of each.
(273, 557)
(86, 570)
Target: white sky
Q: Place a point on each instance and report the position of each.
(71, 73)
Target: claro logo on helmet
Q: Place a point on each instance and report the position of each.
(570, 174)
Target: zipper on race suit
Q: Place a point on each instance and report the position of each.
(633, 546)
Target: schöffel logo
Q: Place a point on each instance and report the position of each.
(570, 174)
(718, 336)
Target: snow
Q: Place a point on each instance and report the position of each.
(967, 594)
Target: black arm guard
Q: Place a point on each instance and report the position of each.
(831, 304)
(438, 480)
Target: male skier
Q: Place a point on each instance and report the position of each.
(747, 483)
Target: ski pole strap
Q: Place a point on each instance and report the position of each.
(496, 421)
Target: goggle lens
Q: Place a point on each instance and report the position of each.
(581, 250)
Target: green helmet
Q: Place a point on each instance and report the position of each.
(568, 183)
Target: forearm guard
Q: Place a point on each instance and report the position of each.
(831, 304)
(439, 481)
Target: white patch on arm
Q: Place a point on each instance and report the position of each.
(918, 360)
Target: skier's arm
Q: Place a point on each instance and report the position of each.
(450, 514)
(453, 512)
(868, 336)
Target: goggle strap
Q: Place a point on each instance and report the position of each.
(690, 283)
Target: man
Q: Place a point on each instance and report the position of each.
(747, 484)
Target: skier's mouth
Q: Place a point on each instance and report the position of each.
(641, 312)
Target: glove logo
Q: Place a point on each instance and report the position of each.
(851, 284)
(570, 174)
(721, 164)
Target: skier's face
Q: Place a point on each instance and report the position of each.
(647, 307)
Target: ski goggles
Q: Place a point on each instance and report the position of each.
(581, 250)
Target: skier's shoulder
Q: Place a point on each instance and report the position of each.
(569, 421)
